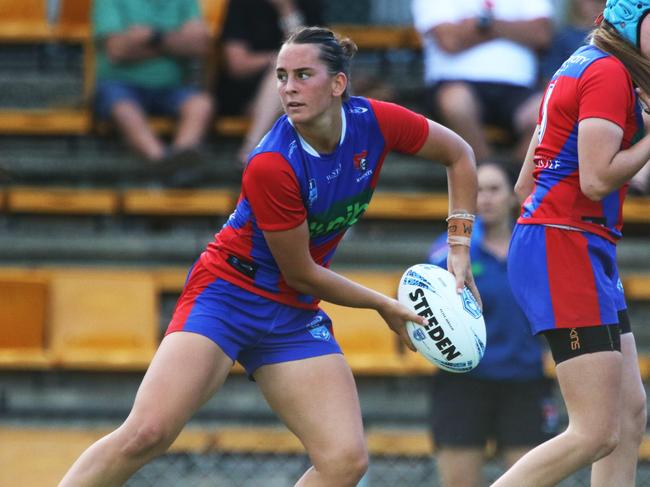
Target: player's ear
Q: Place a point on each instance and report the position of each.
(339, 84)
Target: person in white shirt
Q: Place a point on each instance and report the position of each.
(481, 65)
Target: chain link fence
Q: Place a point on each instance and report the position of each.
(273, 470)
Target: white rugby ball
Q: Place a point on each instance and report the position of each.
(454, 337)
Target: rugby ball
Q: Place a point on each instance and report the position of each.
(454, 336)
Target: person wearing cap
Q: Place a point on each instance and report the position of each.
(562, 267)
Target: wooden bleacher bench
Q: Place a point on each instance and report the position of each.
(385, 205)
(227, 126)
(57, 448)
(103, 320)
(380, 37)
(46, 121)
(24, 21)
(61, 200)
(178, 202)
(23, 307)
(108, 319)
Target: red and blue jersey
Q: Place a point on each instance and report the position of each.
(287, 182)
(590, 84)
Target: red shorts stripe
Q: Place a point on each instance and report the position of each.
(571, 280)
(198, 279)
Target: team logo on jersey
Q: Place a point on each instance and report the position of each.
(318, 330)
(360, 161)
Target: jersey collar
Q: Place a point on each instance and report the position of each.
(309, 149)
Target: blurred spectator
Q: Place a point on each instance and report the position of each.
(143, 49)
(481, 65)
(569, 37)
(252, 35)
(506, 399)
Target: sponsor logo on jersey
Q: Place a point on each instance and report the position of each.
(340, 216)
(335, 173)
(358, 110)
(547, 164)
(433, 328)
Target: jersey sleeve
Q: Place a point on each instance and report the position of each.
(271, 188)
(601, 94)
(404, 131)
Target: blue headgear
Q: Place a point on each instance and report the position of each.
(626, 17)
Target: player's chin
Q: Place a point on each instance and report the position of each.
(298, 117)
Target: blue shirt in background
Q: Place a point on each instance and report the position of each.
(512, 352)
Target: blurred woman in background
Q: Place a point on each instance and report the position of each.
(506, 399)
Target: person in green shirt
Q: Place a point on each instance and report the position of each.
(143, 51)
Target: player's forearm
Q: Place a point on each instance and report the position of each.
(461, 182)
(330, 286)
(623, 167)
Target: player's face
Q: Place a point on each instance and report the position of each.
(495, 200)
(306, 88)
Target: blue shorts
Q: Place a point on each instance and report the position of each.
(564, 278)
(250, 329)
(154, 101)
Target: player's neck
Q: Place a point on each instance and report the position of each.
(324, 132)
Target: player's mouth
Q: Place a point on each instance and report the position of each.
(295, 104)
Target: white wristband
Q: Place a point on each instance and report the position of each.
(462, 216)
(454, 240)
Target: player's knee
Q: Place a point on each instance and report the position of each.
(635, 419)
(345, 464)
(600, 442)
(148, 439)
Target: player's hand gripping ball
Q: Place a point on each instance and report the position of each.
(454, 337)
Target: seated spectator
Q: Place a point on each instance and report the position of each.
(252, 35)
(506, 399)
(143, 47)
(481, 65)
(569, 37)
